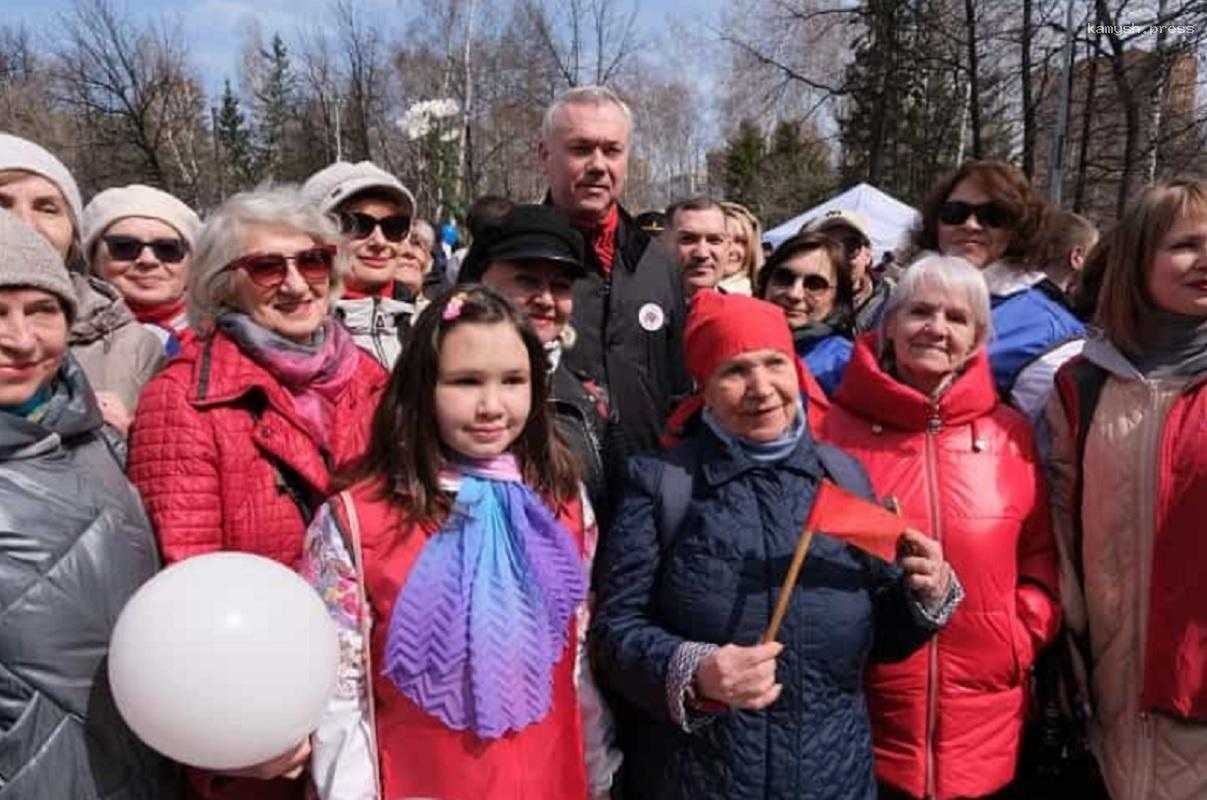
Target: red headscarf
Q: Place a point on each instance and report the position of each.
(723, 326)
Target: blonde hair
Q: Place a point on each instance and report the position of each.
(1131, 248)
(753, 261)
(221, 241)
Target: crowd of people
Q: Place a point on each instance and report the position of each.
(549, 485)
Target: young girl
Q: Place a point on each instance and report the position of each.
(473, 540)
(1129, 495)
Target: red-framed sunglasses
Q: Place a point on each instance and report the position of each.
(268, 270)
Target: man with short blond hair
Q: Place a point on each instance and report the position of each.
(629, 309)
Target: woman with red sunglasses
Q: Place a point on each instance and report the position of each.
(374, 211)
(235, 443)
(987, 213)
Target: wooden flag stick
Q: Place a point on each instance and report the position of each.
(781, 603)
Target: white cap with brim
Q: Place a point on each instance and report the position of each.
(22, 154)
(332, 185)
(839, 216)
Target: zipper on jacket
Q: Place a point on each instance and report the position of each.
(1149, 452)
(933, 426)
(379, 324)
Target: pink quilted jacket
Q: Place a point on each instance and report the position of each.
(222, 462)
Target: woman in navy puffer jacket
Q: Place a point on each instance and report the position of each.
(678, 613)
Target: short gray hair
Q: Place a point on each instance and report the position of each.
(584, 96)
(953, 276)
(221, 241)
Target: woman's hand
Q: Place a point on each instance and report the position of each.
(740, 677)
(287, 765)
(114, 411)
(926, 573)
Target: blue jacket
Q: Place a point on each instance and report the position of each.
(1026, 325)
(716, 580)
(826, 358)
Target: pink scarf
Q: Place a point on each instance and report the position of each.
(315, 375)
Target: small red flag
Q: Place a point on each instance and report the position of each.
(848, 517)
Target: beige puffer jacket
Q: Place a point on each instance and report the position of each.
(117, 352)
(1144, 756)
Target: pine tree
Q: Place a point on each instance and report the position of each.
(234, 141)
(273, 101)
(744, 152)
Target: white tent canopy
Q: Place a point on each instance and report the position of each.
(889, 218)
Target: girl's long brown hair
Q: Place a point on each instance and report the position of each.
(405, 452)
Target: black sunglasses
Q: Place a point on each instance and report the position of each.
(813, 283)
(129, 248)
(992, 215)
(360, 226)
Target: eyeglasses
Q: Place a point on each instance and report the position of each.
(268, 270)
(361, 226)
(129, 248)
(813, 283)
(991, 215)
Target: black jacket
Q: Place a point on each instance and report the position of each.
(590, 427)
(629, 333)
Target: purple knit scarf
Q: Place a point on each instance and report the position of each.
(484, 615)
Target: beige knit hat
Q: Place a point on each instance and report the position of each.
(26, 259)
(22, 154)
(332, 185)
(136, 200)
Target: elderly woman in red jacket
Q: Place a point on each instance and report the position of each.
(235, 443)
(918, 409)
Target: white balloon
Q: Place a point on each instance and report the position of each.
(223, 661)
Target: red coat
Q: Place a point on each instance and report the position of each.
(418, 755)
(947, 721)
(218, 455)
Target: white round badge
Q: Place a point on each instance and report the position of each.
(651, 317)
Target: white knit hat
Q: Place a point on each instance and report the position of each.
(332, 185)
(22, 154)
(136, 200)
(26, 259)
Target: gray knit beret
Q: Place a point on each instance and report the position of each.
(28, 260)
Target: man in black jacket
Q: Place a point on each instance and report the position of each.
(628, 310)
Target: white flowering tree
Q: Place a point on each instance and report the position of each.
(435, 128)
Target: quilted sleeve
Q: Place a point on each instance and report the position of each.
(630, 650)
(173, 463)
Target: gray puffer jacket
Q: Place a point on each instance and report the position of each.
(117, 353)
(74, 546)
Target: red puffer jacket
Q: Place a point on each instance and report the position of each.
(947, 721)
(223, 463)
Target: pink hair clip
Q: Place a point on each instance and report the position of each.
(453, 309)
